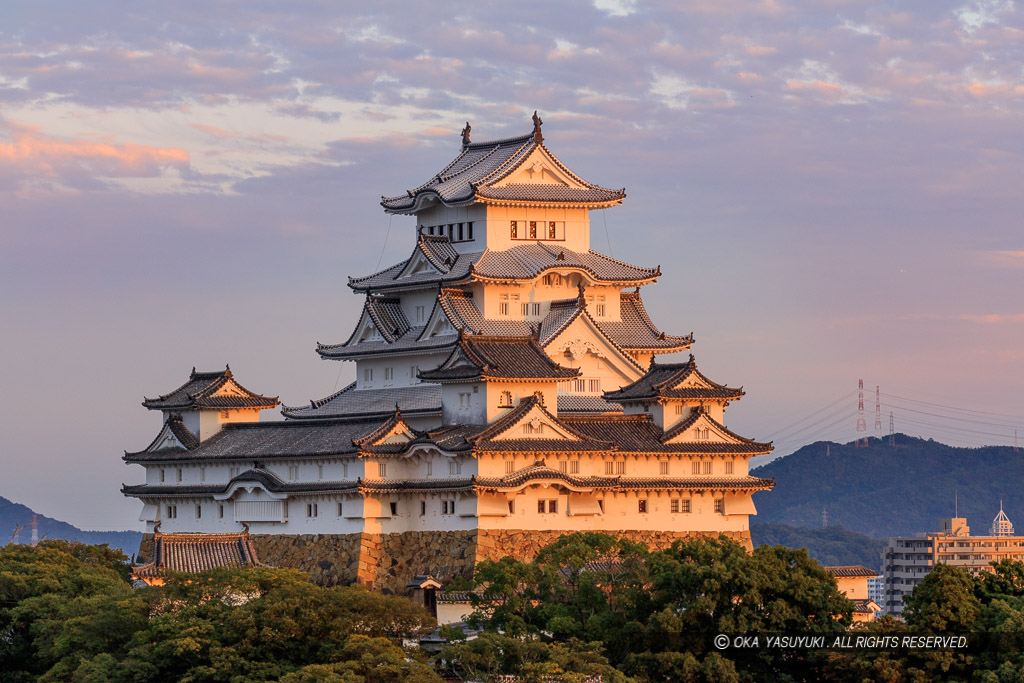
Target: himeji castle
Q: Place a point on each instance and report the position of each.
(507, 392)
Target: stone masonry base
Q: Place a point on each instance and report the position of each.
(389, 561)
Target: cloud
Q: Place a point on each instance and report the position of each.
(1000, 259)
(43, 161)
(994, 318)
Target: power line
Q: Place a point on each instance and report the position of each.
(964, 410)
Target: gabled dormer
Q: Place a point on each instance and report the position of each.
(531, 426)
(208, 400)
(671, 391)
(485, 376)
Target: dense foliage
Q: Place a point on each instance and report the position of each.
(68, 613)
(863, 493)
(651, 615)
(588, 605)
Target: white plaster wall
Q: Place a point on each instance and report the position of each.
(573, 225)
(402, 366)
(519, 391)
(474, 413)
(440, 215)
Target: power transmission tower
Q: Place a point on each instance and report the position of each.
(862, 423)
(892, 432)
(878, 413)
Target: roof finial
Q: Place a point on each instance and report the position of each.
(579, 289)
(465, 134)
(537, 123)
(227, 370)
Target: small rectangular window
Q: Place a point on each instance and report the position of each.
(551, 230)
(563, 466)
(552, 506)
(469, 230)
(609, 468)
(620, 467)
(684, 505)
(642, 506)
(394, 508)
(536, 309)
(511, 507)
(510, 467)
(574, 467)
(389, 375)
(172, 511)
(430, 468)
(680, 408)
(233, 472)
(420, 313)
(594, 385)
(674, 505)
(179, 474)
(600, 310)
(542, 506)
(600, 505)
(367, 374)
(526, 309)
(460, 232)
(533, 230)
(423, 508)
(514, 228)
(311, 510)
(414, 371)
(163, 475)
(344, 469)
(707, 467)
(199, 511)
(663, 467)
(341, 510)
(696, 467)
(293, 472)
(382, 469)
(220, 511)
(729, 467)
(720, 505)
(202, 473)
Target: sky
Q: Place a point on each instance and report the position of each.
(831, 188)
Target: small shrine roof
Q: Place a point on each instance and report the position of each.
(191, 553)
(529, 261)
(203, 391)
(478, 357)
(699, 413)
(850, 571)
(661, 380)
(486, 439)
(362, 404)
(476, 175)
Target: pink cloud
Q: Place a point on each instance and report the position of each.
(994, 318)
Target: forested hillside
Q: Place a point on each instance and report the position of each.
(14, 515)
(884, 491)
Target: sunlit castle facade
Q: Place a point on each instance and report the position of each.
(506, 393)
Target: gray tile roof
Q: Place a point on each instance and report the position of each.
(361, 404)
(850, 571)
(450, 266)
(409, 342)
(193, 553)
(635, 331)
(472, 173)
(528, 261)
(458, 305)
(574, 403)
(660, 379)
(197, 393)
(176, 426)
(639, 434)
(485, 357)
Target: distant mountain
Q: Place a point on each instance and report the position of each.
(885, 491)
(831, 546)
(13, 515)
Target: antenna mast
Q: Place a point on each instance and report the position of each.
(878, 413)
(862, 423)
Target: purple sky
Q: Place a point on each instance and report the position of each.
(832, 189)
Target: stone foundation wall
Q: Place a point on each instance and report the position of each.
(145, 548)
(442, 554)
(330, 559)
(493, 544)
(388, 561)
